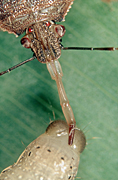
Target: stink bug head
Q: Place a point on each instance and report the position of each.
(44, 39)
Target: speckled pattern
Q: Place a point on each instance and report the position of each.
(16, 15)
(49, 157)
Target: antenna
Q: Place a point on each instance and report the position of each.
(18, 65)
(91, 48)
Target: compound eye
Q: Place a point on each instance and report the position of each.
(25, 42)
(48, 23)
(30, 29)
(60, 30)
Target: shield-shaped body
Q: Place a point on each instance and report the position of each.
(17, 15)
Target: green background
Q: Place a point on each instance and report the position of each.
(28, 95)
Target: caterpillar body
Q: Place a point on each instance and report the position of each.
(49, 157)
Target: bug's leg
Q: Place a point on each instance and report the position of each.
(55, 70)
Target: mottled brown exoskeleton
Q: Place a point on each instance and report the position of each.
(49, 157)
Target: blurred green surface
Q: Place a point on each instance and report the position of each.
(28, 96)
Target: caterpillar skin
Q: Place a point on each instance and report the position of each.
(49, 157)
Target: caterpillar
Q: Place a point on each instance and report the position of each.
(49, 157)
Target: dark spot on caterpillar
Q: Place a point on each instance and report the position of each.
(69, 177)
(72, 158)
(71, 167)
(4, 171)
(49, 150)
(29, 154)
(62, 158)
(37, 147)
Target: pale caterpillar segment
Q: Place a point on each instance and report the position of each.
(49, 157)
